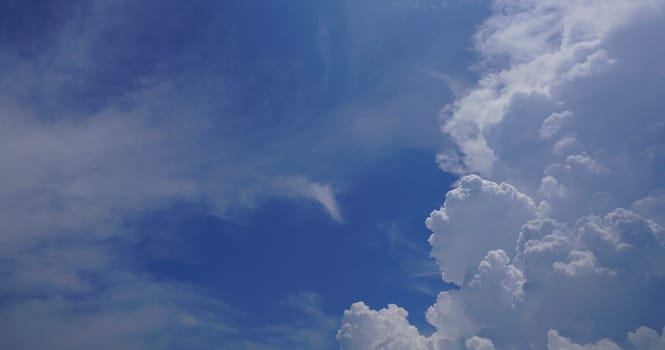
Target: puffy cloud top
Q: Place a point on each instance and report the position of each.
(386, 329)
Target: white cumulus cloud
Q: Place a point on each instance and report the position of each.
(553, 232)
(385, 329)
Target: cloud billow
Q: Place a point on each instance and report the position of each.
(553, 231)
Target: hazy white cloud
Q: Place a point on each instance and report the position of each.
(478, 343)
(554, 123)
(114, 316)
(550, 187)
(643, 338)
(647, 338)
(300, 186)
(594, 63)
(557, 342)
(652, 206)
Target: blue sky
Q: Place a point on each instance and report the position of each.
(380, 252)
(230, 109)
(282, 175)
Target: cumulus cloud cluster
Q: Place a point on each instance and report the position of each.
(553, 232)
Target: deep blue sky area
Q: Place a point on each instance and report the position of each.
(286, 246)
